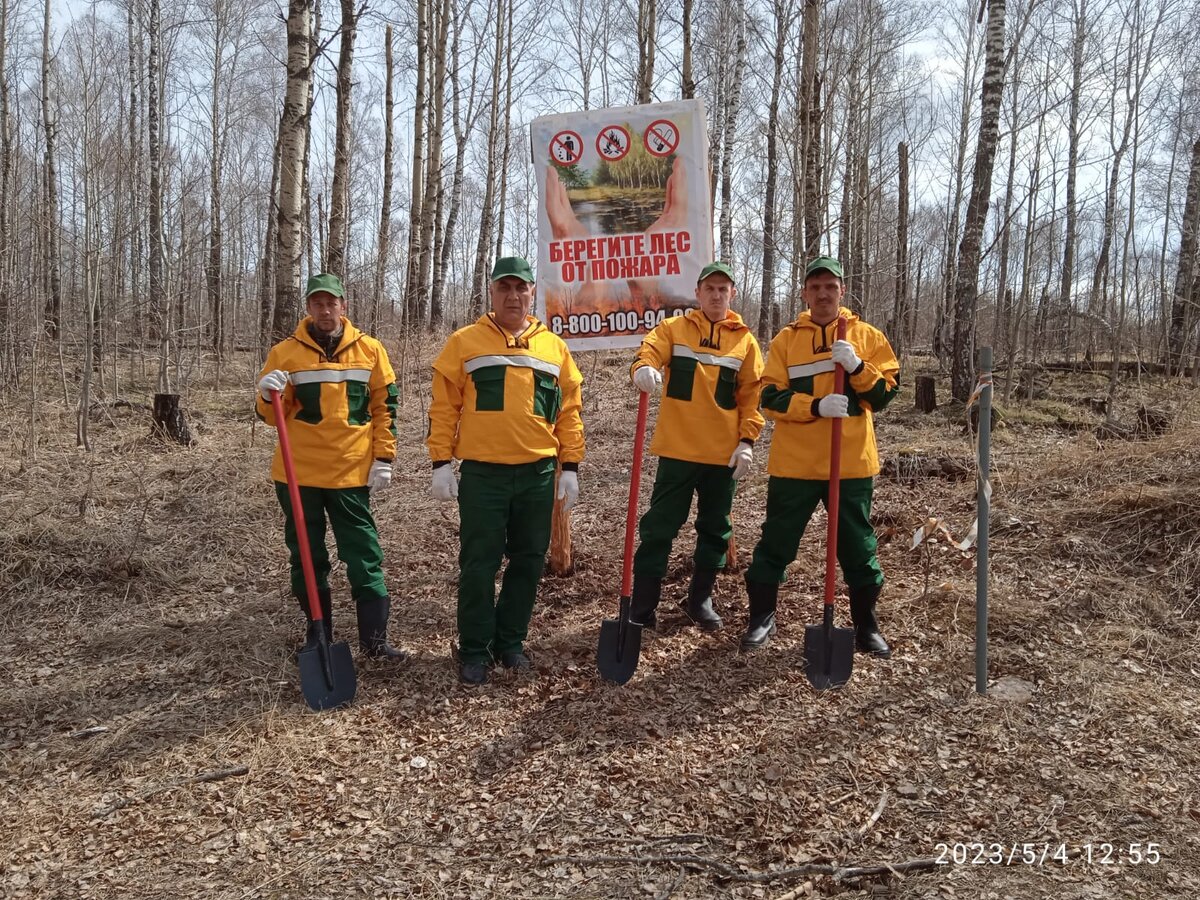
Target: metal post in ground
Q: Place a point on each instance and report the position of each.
(983, 503)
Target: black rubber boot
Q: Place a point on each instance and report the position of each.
(646, 593)
(372, 629)
(473, 673)
(763, 597)
(867, 638)
(325, 598)
(699, 600)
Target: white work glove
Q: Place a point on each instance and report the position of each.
(380, 478)
(273, 381)
(741, 459)
(844, 356)
(647, 379)
(445, 485)
(568, 489)
(834, 406)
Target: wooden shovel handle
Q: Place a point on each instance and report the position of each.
(285, 451)
(635, 483)
(835, 478)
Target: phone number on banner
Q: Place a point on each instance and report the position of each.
(618, 321)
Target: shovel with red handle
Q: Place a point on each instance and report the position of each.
(829, 651)
(327, 677)
(620, 642)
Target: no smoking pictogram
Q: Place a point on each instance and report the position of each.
(661, 138)
(566, 148)
(612, 143)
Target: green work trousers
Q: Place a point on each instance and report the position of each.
(349, 513)
(790, 504)
(504, 510)
(674, 485)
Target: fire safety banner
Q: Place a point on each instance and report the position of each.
(624, 219)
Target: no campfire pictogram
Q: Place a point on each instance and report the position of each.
(661, 138)
(612, 143)
(566, 148)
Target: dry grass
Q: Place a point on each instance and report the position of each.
(145, 594)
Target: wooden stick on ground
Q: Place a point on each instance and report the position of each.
(218, 775)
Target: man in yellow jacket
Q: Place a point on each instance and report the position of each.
(507, 402)
(798, 396)
(339, 392)
(704, 438)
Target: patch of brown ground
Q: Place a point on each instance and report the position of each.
(145, 595)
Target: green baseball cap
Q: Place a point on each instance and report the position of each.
(514, 266)
(325, 282)
(826, 264)
(715, 268)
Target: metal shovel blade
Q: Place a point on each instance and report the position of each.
(828, 655)
(327, 677)
(619, 646)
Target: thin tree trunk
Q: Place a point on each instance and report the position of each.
(900, 308)
(1067, 275)
(160, 312)
(967, 280)
(647, 25)
(293, 129)
(687, 86)
(502, 203)
(417, 201)
(266, 280)
(949, 278)
(1186, 279)
(213, 274)
(384, 240)
(730, 128)
(51, 247)
(479, 279)
(782, 14)
(339, 192)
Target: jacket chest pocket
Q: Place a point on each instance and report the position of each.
(358, 402)
(489, 388)
(309, 397)
(683, 376)
(726, 388)
(547, 396)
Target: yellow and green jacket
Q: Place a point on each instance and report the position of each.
(504, 399)
(712, 372)
(341, 409)
(800, 371)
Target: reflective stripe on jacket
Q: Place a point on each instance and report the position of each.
(799, 370)
(712, 372)
(341, 409)
(504, 399)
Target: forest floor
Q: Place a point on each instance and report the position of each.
(148, 640)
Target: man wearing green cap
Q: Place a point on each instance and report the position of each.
(708, 420)
(339, 393)
(798, 395)
(506, 402)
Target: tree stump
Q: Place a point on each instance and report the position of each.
(169, 421)
(926, 393)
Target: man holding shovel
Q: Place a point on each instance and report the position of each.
(707, 424)
(798, 395)
(339, 391)
(507, 402)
